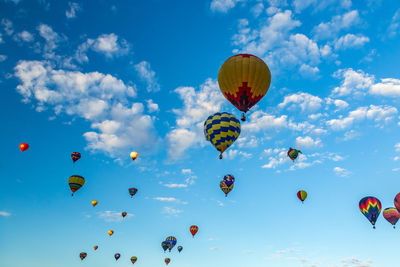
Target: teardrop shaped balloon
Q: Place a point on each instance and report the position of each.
(391, 215)
(134, 155)
(75, 156)
(110, 232)
(167, 260)
(23, 147)
(397, 202)
(96, 247)
(371, 208)
(171, 242)
(221, 129)
(124, 214)
(117, 256)
(244, 79)
(75, 182)
(165, 245)
(132, 191)
(82, 255)
(194, 229)
(94, 203)
(302, 195)
(293, 153)
(229, 179)
(133, 260)
(180, 249)
(225, 188)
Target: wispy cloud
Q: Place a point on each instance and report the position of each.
(113, 216)
(341, 172)
(171, 211)
(170, 199)
(5, 214)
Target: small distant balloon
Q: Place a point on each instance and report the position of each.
(371, 208)
(171, 242)
(23, 146)
(302, 195)
(124, 214)
(229, 179)
(391, 215)
(110, 232)
(133, 260)
(194, 229)
(165, 245)
(134, 155)
(96, 247)
(117, 256)
(75, 182)
(225, 188)
(82, 255)
(94, 203)
(132, 191)
(75, 156)
(180, 249)
(293, 153)
(167, 260)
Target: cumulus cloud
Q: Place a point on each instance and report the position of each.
(329, 30)
(300, 5)
(102, 99)
(387, 87)
(151, 106)
(24, 36)
(233, 153)
(113, 216)
(224, 6)
(197, 106)
(73, 9)
(308, 142)
(109, 45)
(148, 75)
(341, 172)
(7, 26)
(305, 101)
(351, 41)
(354, 82)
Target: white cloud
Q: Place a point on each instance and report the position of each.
(387, 87)
(197, 106)
(341, 172)
(300, 5)
(305, 101)
(330, 29)
(171, 211)
(213, 248)
(73, 9)
(100, 98)
(7, 26)
(52, 38)
(148, 75)
(308, 142)
(233, 153)
(397, 147)
(176, 185)
(382, 114)
(113, 216)
(24, 36)
(261, 121)
(223, 5)
(170, 199)
(354, 82)
(109, 45)
(350, 41)
(151, 106)
(3, 58)
(5, 213)
(394, 27)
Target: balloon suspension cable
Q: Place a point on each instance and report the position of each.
(243, 118)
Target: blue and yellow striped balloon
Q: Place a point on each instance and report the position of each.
(221, 129)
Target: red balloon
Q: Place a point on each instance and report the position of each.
(194, 229)
(23, 146)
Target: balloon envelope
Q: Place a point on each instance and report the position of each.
(117, 256)
(221, 129)
(171, 242)
(96, 247)
(165, 245)
(133, 260)
(167, 260)
(371, 207)
(82, 255)
(94, 202)
(244, 79)
(132, 191)
(229, 179)
(134, 155)
(391, 215)
(225, 188)
(194, 229)
(75, 182)
(75, 156)
(302, 195)
(180, 248)
(293, 153)
(110, 232)
(397, 202)
(124, 214)
(23, 146)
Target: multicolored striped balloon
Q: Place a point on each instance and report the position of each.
(82, 255)
(397, 202)
(371, 208)
(133, 260)
(302, 195)
(75, 182)
(391, 215)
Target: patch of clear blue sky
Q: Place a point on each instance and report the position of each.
(185, 43)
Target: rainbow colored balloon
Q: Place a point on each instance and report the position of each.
(391, 215)
(397, 202)
(371, 208)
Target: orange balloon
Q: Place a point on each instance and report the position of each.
(134, 155)
(23, 146)
(94, 202)
(110, 232)
(96, 247)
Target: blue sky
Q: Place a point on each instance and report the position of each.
(108, 77)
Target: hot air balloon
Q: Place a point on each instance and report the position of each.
(75, 156)
(397, 202)
(180, 249)
(82, 255)
(167, 260)
(293, 153)
(132, 191)
(75, 182)
(229, 179)
(110, 232)
(94, 202)
(117, 256)
(171, 242)
(124, 214)
(134, 155)
(221, 129)
(194, 229)
(371, 208)
(96, 247)
(23, 147)
(133, 260)
(244, 79)
(391, 215)
(165, 245)
(226, 189)
(302, 195)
